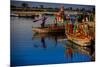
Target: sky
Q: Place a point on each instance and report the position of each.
(53, 5)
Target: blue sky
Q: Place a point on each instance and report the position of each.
(53, 5)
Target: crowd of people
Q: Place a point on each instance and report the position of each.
(79, 29)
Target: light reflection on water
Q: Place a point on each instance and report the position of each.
(29, 48)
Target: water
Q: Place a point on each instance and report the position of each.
(28, 48)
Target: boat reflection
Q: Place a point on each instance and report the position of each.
(43, 42)
(72, 49)
(54, 36)
(69, 54)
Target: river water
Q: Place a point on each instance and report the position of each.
(28, 48)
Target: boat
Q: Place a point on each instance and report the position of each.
(14, 15)
(81, 36)
(50, 29)
(79, 41)
(40, 30)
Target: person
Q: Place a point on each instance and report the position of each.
(80, 18)
(67, 23)
(71, 28)
(87, 19)
(86, 29)
(43, 21)
(60, 15)
(55, 21)
(75, 24)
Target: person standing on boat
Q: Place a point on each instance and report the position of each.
(55, 21)
(43, 21)
(44, 18)
(75, 24)
(60, 15)
(67, 23)
(71, 28)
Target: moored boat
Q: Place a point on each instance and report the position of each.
(50, 29)
(79, 41)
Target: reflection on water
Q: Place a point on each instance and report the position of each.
(30, 48)
(69, 54)
(43, 43)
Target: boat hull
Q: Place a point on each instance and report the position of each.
(80, 42)
(49, 30)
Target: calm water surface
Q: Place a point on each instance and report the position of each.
(29, 48)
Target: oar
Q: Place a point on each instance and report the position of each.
(36, 20)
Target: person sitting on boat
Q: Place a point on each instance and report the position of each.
(85, 26)
(67, 23)
(86, 29)
(83, 31)
(79, 32)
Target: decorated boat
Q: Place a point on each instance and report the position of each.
(85, 41)
(79, 36)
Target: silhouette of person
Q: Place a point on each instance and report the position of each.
(55, 40)
(43, 21)
(43, 42)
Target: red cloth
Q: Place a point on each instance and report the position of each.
(67, 27)
(71, 28)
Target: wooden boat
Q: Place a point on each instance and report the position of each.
(79, 41)
(79, 36)
(40, 30)
(51, 29)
